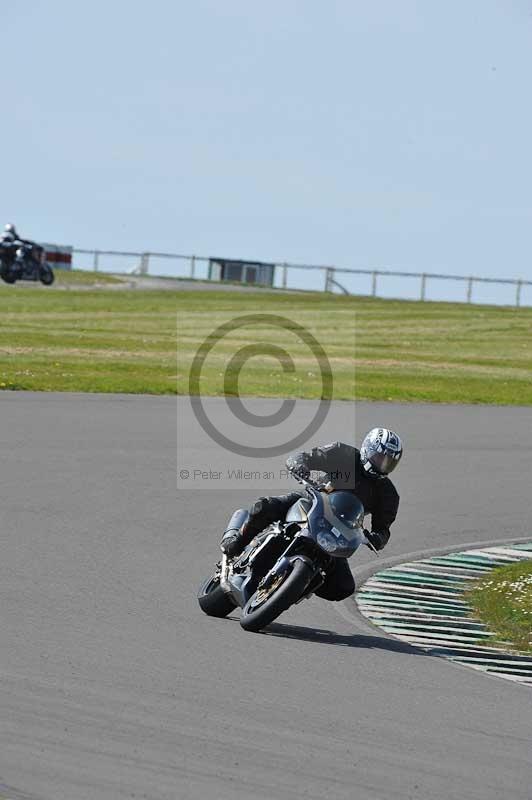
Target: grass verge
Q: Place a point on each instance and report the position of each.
(125, 341)
(378, 349)
(503, 602)
(78, 277)
(88, 341)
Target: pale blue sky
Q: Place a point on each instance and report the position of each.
(381, 134)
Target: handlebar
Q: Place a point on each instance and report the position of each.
(307, 481)
(319, 487)
(368, 544)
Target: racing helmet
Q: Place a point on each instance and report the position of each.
(380, 452)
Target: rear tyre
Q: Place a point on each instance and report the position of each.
(8, 277)
(213, 600)
(267, 604)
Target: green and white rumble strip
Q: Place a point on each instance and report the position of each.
(421, 602)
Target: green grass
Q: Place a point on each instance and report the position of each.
(80, 277)
(88, 341)
(503, 602)
(378, 349)
(125, 340)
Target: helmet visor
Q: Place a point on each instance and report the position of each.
(383, 463)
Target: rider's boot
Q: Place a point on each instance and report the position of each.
(238, 534)
(245, 525)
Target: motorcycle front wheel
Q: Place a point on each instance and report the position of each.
(46, 275)
(213, 600)
(276, 596)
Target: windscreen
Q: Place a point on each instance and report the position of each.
(345, 508)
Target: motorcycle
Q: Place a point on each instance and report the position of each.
(28, 264)
(288, 561)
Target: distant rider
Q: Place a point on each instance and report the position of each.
(11, 232)
(10, 242)
(363, 472)
(10, 236)
(8, 247)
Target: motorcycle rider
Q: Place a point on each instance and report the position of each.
(9, 238)
(8, 248)
(11, 232)
(363, 472)
(10, 242)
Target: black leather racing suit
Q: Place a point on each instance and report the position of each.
(341, 464)
(9, 244)
(8, 250)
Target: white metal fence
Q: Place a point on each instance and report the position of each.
(379, 282)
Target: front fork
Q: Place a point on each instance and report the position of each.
(225, 571)
(283, 563)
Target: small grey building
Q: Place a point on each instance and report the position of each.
(224, 269)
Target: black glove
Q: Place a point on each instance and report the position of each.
(376, 540)
(297, 468)
(231, 543)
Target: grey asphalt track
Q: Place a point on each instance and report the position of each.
(114, 685)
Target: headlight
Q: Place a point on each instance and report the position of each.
(339, 544)
(331, 540)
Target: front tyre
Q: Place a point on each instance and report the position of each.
(46, 275)
(213, 600)
(269, 603)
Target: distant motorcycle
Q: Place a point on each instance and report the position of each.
(27, 263)
(288, 561)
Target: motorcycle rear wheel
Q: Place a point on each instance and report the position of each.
(260, 611)
(213, 600)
